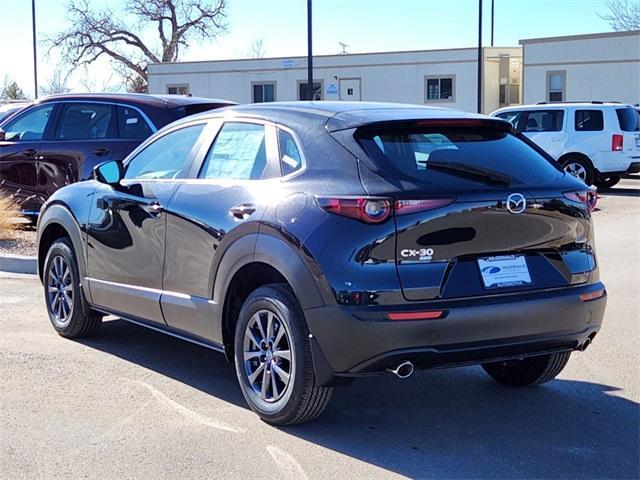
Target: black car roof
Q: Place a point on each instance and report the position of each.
(168, 101)
(339, 115)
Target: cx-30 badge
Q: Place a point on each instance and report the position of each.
(516, 203)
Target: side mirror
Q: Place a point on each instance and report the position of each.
(3, 135)
(109, 172)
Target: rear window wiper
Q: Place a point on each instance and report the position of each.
(471, 172)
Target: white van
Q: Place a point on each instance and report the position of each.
(597, 142)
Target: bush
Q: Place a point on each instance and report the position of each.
(8, 213)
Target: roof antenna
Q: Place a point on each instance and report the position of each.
(344, 48)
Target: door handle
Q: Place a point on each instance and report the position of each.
(100, 152)
(242, 212)
(154, 208)
(30, 152)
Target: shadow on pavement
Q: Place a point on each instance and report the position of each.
(619, 192)
(443, 423)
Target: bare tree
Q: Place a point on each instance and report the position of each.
(257, 49)
(90, 83)
(57, 83)
(624, 15)
(96, 33)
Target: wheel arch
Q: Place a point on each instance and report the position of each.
(565, 156)
(56, 222)
(239, 273)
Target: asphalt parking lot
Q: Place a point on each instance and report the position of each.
(132, 403)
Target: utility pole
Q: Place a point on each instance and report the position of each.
(35, 52)
(309, 54)
(479, 56)
(492, 7)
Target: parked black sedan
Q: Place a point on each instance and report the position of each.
(58, 140)
(314, 243)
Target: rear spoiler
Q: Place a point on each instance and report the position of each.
(413, 118)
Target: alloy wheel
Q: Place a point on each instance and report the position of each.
(267, 353)
(60, 291)
(576, 170)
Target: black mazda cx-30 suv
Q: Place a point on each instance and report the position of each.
(314, 243)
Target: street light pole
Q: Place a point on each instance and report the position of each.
(35, 52)
(309, 54)
(492, 7)
(479, 56)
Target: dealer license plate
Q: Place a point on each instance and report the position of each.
(504, 271)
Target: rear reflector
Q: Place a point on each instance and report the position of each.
(585, 297)
(617, 143)
(430, 315)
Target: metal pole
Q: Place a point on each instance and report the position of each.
(479, 56)
(492, 6)
(35, 53)
(309, 54)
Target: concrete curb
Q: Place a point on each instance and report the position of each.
(18, 264)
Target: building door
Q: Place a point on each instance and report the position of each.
(350, 89)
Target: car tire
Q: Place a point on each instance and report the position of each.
(608, 182)
(68, 310)
(529, 371)
(579, 167)
(273, 358)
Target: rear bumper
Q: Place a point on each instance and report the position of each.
(349, 341)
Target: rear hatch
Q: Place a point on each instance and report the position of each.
(477, 209)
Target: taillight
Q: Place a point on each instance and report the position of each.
(377, 210)
(404, 207)
(617, 142)
(368, 210)
(588, 198)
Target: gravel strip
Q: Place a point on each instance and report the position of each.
(19, 242)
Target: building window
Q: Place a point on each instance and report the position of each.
(178, 89)
(440, 88)
(556, 86)
(317, 90)
(264, 92)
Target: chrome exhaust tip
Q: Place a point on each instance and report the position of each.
(584, 346)
(404, 370)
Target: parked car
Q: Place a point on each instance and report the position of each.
(59, 139)
(314, 243)
(8, 109)
(595, 141)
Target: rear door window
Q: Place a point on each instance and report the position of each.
(131, 124)
(589, 121)
(238, 152)
(86, 121)
(543, 121)
(629, 119)
(455, 155)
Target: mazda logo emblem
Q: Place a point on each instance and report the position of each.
(516, 203)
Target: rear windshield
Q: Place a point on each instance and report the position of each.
(629, 119)
(455, 155)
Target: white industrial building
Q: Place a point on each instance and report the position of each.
(602, 66)
(439, 77)
(585, 67)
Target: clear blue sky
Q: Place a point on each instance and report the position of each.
(365, 25)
